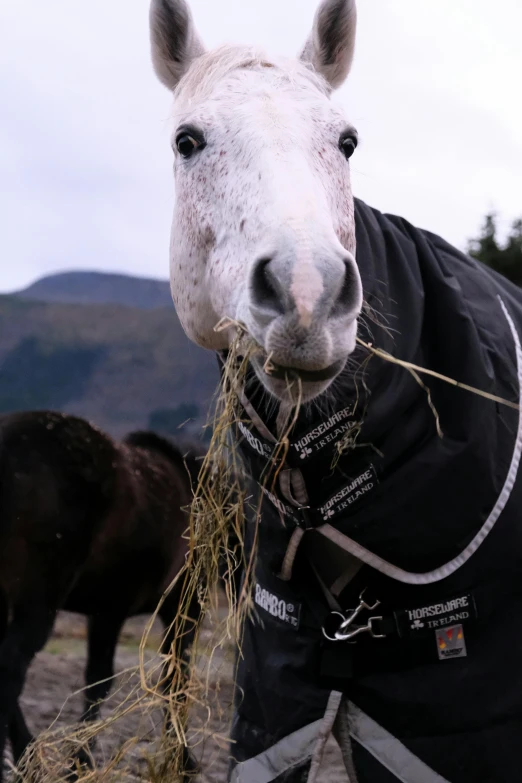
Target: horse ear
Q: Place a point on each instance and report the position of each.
(174, 40)
(331, 43)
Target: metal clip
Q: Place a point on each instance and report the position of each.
(341, 635)
(304, 521)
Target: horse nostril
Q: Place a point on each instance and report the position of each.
(348, 296)
(265, 289)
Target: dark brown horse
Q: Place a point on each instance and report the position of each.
(90, 526)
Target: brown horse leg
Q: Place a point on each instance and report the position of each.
(103, 634)
(24, 637)
(179, 647)
(102, 637)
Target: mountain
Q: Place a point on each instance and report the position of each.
(97, 288)
(115, 354)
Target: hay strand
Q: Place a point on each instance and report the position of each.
(414, 368)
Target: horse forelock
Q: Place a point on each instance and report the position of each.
(210, 68)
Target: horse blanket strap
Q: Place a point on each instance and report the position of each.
(334, 567)
(359, 733)
(389, 559)
(290, 554)
(293, 487)
(296, 757)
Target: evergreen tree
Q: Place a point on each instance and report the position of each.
(505, 259)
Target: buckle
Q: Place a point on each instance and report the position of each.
(304, 518)
(346, 630)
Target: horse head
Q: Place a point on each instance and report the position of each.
(263, 230)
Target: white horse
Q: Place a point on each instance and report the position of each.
(263, 229)
(422, 529)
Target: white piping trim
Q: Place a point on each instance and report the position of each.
(388, 750)
(302, 747)
(330, 716)
(292, 751)
(446, 570)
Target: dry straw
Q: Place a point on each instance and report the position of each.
(414, 369)
(163, 684)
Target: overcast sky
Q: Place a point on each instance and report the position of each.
(85, 164)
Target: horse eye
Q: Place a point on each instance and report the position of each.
(348, 145)
(187, 145)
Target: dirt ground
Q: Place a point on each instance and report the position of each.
(51, 698)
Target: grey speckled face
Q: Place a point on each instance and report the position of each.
(263, 230)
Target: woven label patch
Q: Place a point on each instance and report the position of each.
(450, 642)
(278, 608)
(286, 510)
(350, 494)
(255, 442)
(324, 434)
(422, 620)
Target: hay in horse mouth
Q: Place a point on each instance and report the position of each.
(273, 369)
(282, 372)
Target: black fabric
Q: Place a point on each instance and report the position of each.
(370, 767)
(423, 500)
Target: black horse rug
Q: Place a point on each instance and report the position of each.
(388, 587)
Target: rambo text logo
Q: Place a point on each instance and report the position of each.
(281, 507)
(277, 607)
(255, 443)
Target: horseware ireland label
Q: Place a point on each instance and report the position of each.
(350, 493)
(423, 620)
(323, 434)
(278, 608)
(311, 443)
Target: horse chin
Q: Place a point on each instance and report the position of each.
(291, 393)
(291, 385)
